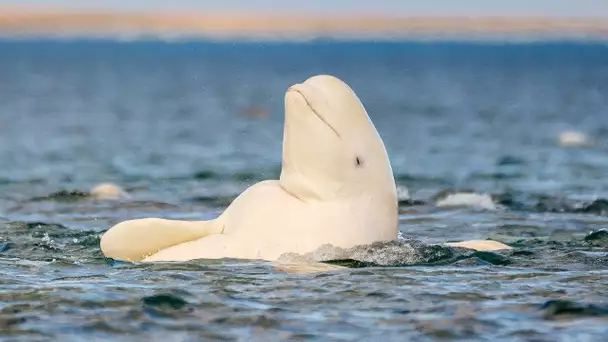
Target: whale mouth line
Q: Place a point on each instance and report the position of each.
(315, 112)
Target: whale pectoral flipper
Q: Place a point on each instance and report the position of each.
(480, 245)
(134, 240)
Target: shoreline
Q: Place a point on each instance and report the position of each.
(59, 24)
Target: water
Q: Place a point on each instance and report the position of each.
(174, 124)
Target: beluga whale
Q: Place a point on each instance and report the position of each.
(336, 187)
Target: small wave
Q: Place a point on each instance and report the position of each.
(47, 241)
(9, 181)
(148, 205)
(510, 160)
(393, 253)
(165, 305)
(498, 176)
(213, 201)
(550, 204)
(244, 175)
(421, 180)
(398, 254)
(556, 309)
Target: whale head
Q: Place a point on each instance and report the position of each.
(331, 148)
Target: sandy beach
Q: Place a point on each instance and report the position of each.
(63, 23)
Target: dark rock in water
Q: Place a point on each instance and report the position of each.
(550, 204)
(205, 174)
(553, 205)
(351, 263)
(555, 308)
(479, 258)
(522, 252)
(5, 247)
(42, 225)
(597, 259)
(507, 200)
(599, 237)
(165, 305)
(510, 160)
(529, 202)
(492, 258)
(496, 176)
(598, 207)
(113, 262)
(63, 196)
(471, 262)
(515, 201)
(411, 202)
(165, 300)
(435, 253)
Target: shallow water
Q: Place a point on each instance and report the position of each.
(181, 127)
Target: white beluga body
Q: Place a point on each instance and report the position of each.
(336, 188)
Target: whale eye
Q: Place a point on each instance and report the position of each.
(358, 161)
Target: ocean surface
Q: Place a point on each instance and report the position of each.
(184, 127)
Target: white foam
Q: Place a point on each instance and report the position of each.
(467, 200)
(402, 193)
(573, 139)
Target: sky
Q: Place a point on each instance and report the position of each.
(553, 8)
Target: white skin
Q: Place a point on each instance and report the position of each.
(108, 191)
(336, 187)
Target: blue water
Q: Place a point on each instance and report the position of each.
(185, 127)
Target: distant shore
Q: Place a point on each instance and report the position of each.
(56, 23)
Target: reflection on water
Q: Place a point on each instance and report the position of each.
(177, 126)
